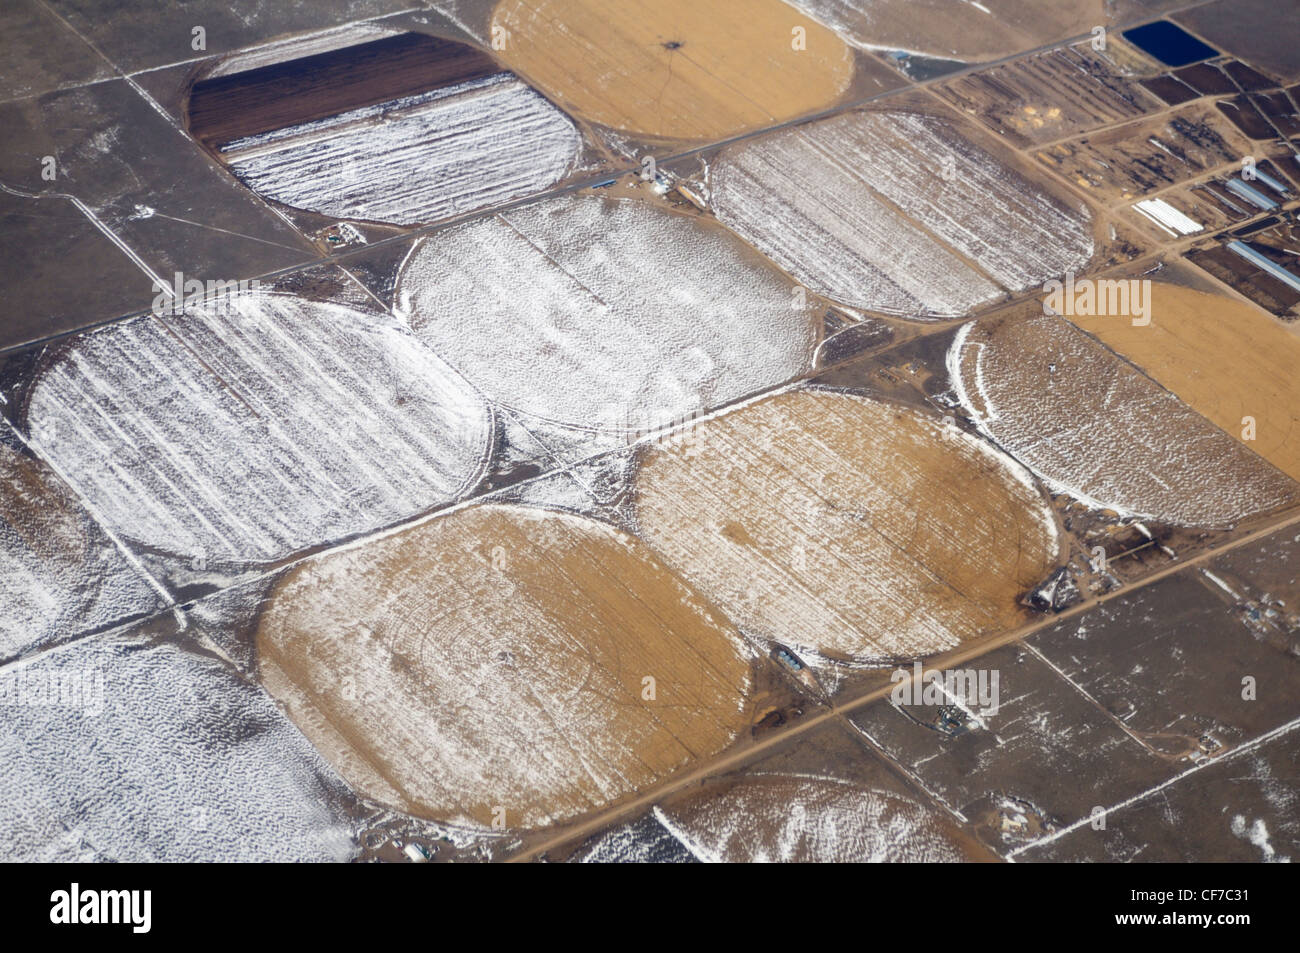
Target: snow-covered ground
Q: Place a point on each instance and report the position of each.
(793, 819)
(253, 427)
(1006, 224)
(605, 313)
(801, 197)
(420, 159)
(59, 575)
(823, 201)
(156, 754)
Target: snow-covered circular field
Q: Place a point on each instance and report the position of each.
(824, 201)
(130, 750)
(59, 575)
(607, 313)
(466, 147)
(502, 664)
(847, 526)
(1095, 428)
(773, 818)
(255, 426)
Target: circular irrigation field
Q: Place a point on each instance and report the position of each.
(605, 313)
(848, 526)
(677, 69)
(493, 665)
(1097, 429)
(253, 426)
(772, 818)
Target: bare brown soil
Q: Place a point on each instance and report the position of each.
(225, 108)
(1225, 359)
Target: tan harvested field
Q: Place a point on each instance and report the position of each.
(1225, 358)
(677, 69)
(847, 526)
(1100, 431)
(493, 661)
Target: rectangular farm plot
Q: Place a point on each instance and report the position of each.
(1237, 809)
(1171, 661)
(1262, 31)
(123, 161)
(135, 41)
(1263, 580)
(1266, 575)
(1241, 266)
(1044, 760)
(40, 54)
(61, 272)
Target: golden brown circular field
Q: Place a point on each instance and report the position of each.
(491, 664)
(676, 69)
(847, 525)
